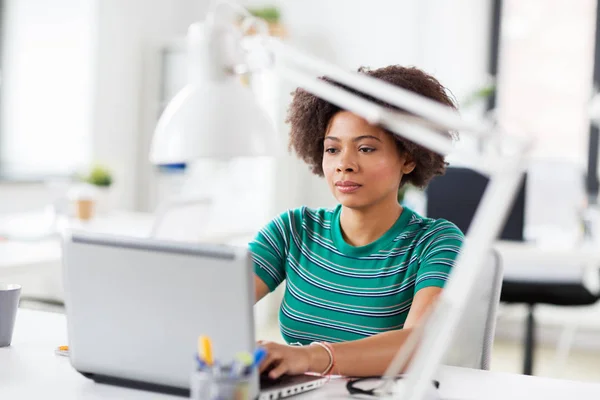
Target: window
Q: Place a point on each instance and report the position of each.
(545, 70)
(47, 65)
(544, 86)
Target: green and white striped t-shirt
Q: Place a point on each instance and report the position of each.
(338, 292)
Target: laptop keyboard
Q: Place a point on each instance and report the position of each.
(266, 382)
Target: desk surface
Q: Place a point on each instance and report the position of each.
(529, 262)
(32, 253)
(20, 254)
(15, 255)
(30, 369)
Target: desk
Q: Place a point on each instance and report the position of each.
(36, 265)
(30, 369)
(528, 262)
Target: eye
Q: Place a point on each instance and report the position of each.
(365, 149)
(330, 150)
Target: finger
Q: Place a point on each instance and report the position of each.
(268, 359)
(279, 370)
(271, 358)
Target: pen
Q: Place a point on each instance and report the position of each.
(205, 348)
(62, 351)
(259, 355)
(241, 364)
(200, 363)
(244, 358)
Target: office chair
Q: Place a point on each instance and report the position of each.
(472, 348)
(455, 196)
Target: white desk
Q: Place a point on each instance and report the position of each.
(529, 262)
(29, 369)
(36, 265)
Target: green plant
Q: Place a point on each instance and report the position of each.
(271, 14)
(99, 176)
(481, 94)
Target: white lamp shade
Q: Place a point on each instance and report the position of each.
(218, 119)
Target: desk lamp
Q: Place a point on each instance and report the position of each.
(219, 51)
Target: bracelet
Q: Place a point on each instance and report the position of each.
(329, 351)
(333, 363)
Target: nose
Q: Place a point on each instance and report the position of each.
(347, 163)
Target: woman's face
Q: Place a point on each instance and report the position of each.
(361, 163)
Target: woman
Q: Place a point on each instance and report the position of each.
(359, 276)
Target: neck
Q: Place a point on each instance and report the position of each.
(363, 226)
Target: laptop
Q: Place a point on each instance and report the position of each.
(136, 306)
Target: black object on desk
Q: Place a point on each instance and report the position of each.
(372, 385)
(455, 197)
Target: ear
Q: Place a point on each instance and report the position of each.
(408, 166)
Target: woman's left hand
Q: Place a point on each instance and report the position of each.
(283, 359)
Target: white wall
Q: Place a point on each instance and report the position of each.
(129, 35)
(446, 39)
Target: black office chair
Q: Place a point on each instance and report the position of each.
(455, 197)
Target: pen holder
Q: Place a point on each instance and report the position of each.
(208, 385)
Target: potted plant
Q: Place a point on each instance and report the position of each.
(101, 179)
(99, 176)
(272, 16)
(479, 95)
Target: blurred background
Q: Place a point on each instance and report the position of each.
(83, 83)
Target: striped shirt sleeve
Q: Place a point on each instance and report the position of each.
(440, 248)
(269, 250)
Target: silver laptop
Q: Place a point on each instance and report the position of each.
(135, 308)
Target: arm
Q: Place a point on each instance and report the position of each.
(364, 357)
(269, 250)
(372, 355)
(260, 289)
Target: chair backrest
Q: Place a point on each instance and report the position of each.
(456, 194)
(472, 344)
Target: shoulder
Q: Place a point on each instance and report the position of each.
(433, 229)
(318, 216)
(305, 217)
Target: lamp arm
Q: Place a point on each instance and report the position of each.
(485, 228)
(372, 112)
(415, 128)
(429, 109)
(402, 98)
(304, 70)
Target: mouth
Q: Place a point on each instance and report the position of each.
(347, 186)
